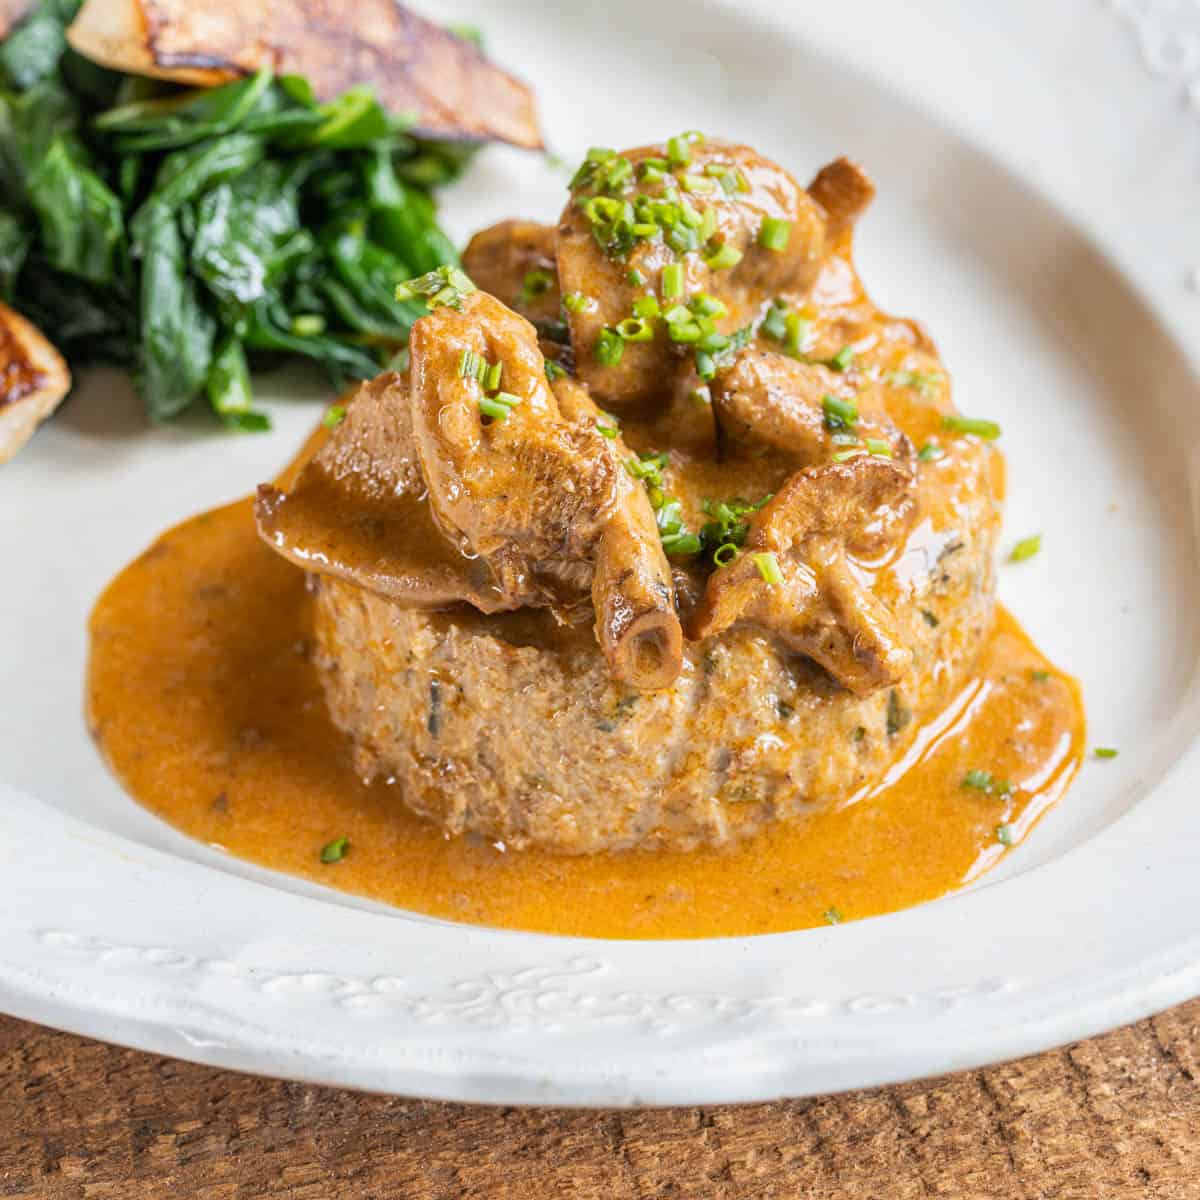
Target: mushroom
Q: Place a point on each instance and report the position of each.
(795, 579)
(803, 408)
(844, 190)
(601, 256)
(633, 591)
(537, 490)
(357, 511)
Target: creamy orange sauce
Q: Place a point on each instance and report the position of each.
(203, 699)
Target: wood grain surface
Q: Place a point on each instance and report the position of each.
(1109, 1119)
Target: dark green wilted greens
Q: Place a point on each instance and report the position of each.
(192, 234)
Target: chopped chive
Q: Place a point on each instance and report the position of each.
(679, 152)
(635, 278)
(723, 258)
(507, 399)
(929, 452)
(768, 567)
(635, 329)
(554, 371)
(672, 281)
(335, 851)
(491, 376)
(774, 233)
(708, 225)
(713, 343)
(725, 553)
(335, 414)
(701, 397)
(704, 305)
(686, 332)
(1105, 752)
(576, 302)
(984, 781)
(467, 364)
(842, 359)
(1039, 676)
(535, 284)
(1004, 835)
(493, 408)
(697, 183)
(445, 287)
(839, 414)
(845, 455)
(795, 333)
(832, 916)
(706, 367)
(606, 431)
(774, 324)
(1026, 548)
(646, 307)
(609, 347)
(878, 447)
(988, 430)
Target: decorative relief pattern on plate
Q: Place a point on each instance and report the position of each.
(561, 997)
(1167, 33)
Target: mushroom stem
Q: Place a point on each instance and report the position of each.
(636, 623)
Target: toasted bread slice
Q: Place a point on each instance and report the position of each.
(414, 65)
(33, 381)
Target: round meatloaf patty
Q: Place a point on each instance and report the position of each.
(511, 727)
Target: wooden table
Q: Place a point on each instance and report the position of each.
(1110, 1119)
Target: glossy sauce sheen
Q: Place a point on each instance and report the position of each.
(203, 698)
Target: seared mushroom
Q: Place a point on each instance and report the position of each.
(519, 487)
(844, 190)
(357, 511)
(794, 406)
(600, 252)
(33, 381)
(633, 591)
(794, 576)
(515, 262)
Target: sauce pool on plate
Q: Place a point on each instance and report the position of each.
(203, 698)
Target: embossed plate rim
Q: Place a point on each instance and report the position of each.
(92, 939)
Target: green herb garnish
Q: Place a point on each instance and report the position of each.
(335, 851)
(1004, 835)
(443, 287)
(984, 781)
(842, 359)
(536, 283)
(774, 234)
(988, 430)
(839, 414)
(768, 567)
(609, 347)
(335, 414)
(1026, 548)
(1105, 752)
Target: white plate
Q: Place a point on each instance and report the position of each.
(1039, 171)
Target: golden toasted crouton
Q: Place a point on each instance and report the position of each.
(413, 65)
(33, 381)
